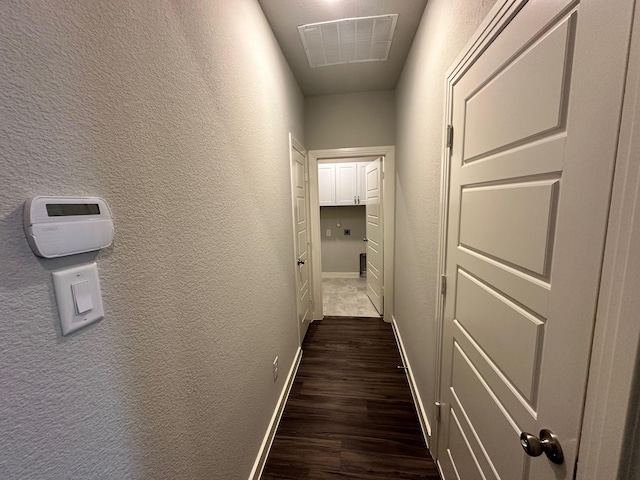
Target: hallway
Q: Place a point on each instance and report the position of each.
(350, 412)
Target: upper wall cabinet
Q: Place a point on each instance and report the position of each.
(327, 184)
(346, 181)
(342, 184)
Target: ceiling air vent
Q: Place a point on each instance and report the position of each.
(350, 40)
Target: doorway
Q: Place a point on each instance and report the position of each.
(343, 231)
(353, 270)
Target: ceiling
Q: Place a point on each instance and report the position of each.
(285, 16)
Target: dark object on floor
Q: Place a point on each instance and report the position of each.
(350, 412)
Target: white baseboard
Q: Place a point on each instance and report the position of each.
(340, 274)
(263, 453)
(417, 400)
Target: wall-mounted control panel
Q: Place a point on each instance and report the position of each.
(59, 226)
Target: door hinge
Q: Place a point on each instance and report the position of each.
(437, 412)
(449, 136)
(443, 284)
(306, 176)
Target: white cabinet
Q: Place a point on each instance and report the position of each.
(342, 184)
(346, 181)
(327, 184)
(361, 187)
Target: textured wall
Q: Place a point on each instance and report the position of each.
(350, 120)
(177, 113)
(341, 253)
(446, 27)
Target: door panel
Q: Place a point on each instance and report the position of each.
(326, 184)
(346, 174)
(527, 213)
(510, 335)
(374, 235)
(532, 82)
(466, 460)
(300, 215)
(512, 223)
(489, 419)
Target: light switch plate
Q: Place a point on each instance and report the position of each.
(63, 281)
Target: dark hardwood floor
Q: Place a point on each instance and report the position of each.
(350, 412)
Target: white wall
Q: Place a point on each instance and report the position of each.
(340, 252)
(445, 28)
(177, 113)
(350, 120)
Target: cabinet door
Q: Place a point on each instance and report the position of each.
(346, 174)
(327, 184)
(361, 184)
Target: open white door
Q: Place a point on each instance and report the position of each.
(299, 188)
(375, 237)
(535, 118)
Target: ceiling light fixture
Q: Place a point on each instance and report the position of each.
(349, 40)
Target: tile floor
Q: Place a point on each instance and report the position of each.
(346, 297)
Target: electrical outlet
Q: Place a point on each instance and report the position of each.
(275, 369)
(347, 231)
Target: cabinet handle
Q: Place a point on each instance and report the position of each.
(354, 200)
(358, 199)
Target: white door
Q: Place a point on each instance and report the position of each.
(346, 174)
(299, 184)
(374, 234)
(530, 175)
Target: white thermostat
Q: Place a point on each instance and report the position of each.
(59, 226)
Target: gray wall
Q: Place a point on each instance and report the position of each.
(177, 113)
(350, 120)
(446, 27)
(341, 253)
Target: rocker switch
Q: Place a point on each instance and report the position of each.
(82, 297)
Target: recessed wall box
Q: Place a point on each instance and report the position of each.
(59, 226)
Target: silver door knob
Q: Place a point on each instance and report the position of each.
(300, 262)
(547, 443)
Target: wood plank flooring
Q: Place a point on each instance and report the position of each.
(350, 412)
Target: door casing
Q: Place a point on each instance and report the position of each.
(388, 186)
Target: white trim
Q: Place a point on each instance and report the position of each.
(340, 274)
(388, 186)
(263, 453)
(415, 393)
(611, 410)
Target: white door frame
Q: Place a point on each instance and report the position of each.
(609, 445)
(616, 349)
(388, 199)
(294, 144)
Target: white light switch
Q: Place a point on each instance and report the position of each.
(328, 232)
(82, 296)
(78, 296)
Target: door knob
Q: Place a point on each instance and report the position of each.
(300, 262)
(547, 443)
